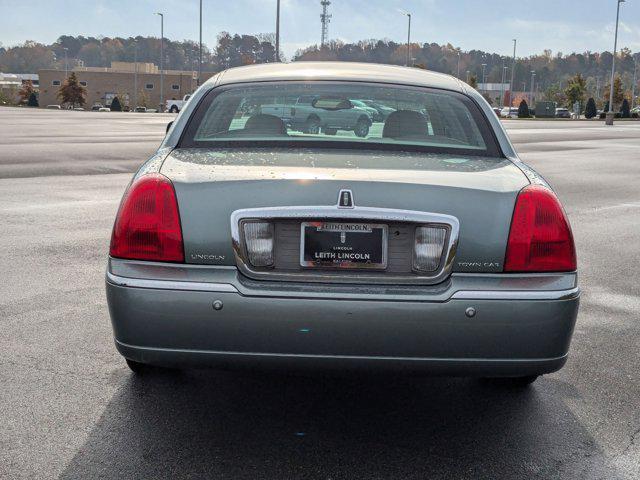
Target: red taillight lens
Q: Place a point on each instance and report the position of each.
(148, 223)
(540, 239)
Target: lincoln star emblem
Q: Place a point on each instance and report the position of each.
(345, 199)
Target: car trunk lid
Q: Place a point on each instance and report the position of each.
(210, 184)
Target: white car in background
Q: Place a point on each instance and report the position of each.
(372, 112)
(509, 112)
(174, 106)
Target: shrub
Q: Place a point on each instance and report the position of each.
(523, 110)
(625, 110)
(33, 100)
(590, 110)
(116, 106)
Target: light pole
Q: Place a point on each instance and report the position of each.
(161, 60)
(135, 75)
(66, 63)
(278, 31)
(458, 75)
(484, 84)
(468, 72)
(513, 72)
(610, 113)
(504, 79)
(408, 36)
(635, 80)
(533, 79)
(200, 52)
(193, 74)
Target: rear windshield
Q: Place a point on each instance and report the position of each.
(340, 114)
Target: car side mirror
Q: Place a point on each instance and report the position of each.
(169, 126)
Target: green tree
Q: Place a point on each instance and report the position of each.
(116, 106)
(473, 81)
(5, 97)
(71, 92)
(33, 100)
(591, 111)
(523, 110)
(576, 89)
(625, 110)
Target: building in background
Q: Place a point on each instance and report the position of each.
(103, 84)
(11, 83)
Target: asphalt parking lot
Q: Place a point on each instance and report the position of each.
(70, 408)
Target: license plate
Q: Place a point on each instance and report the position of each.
(343, 245)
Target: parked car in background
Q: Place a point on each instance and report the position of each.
(96, 106)
(373, 113)
(174, 106)
(563, 113)
(509, 112)
(425, 246)
(104, 109)
(54, 107)
(313, 114)
(383, 110)
(140, 109)
(497, 111)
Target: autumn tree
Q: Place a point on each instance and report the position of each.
(618, 92)
(25, 92)
(71, 92)
(576, 90)
(473, 81)
(143, 99)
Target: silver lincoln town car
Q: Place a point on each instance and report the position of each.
(342, 215)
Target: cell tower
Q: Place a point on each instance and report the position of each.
(325, 18)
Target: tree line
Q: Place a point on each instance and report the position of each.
(554, 72)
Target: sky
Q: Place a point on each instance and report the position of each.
(490, 25)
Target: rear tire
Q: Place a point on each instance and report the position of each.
(312, 125)
(143, 369)
(362, 127)
(137, 367)
(512, 382)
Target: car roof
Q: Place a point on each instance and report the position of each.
(340, 71)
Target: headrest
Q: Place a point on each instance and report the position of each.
(405, 123)
(265, 124)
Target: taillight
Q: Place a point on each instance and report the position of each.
(147, 226)
(540, 239)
